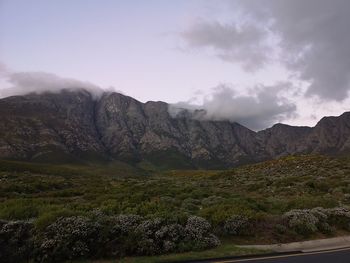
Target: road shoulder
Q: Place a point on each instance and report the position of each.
(306, 246)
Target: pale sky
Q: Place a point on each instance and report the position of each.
(252, 61)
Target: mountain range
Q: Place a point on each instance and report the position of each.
(73, 125)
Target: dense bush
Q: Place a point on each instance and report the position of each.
(172, 237)
(16, 241)
(308, 221)
(302, 221)
(99, 235)
(323, 220)
(69, 238)
(339, 216)
(124, 224)
(237, 225)
(156, 237)
(119, 239)
(198, 233)
(147, 243)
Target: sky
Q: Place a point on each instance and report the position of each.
(256, 62)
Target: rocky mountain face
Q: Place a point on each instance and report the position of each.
(72, 125)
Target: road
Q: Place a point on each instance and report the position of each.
(333, 256)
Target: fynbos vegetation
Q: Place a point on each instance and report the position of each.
(58, 213)
(105, 236)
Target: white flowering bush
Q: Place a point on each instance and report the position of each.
(198, 233)
(77, 237)
(124, 224)
(130, 235)
(302, 221)
(320, 213)
(236, 225)
(308, 221)
(172, 232)
(119, 234)
(69, 238)
(172, 237)
(16, 241)
(196, 227)
(147, 243)
(339, 216)
(322, 216)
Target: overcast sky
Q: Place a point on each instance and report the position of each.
(253, 61)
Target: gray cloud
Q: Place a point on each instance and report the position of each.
(257, 111)
(244, 44)
(21, 83)
(314, 40)
(315, 34)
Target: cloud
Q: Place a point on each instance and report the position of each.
(311, 39)
(315, 39)
(243, 44)
(257, 111)
(21, 83)
(4, 70)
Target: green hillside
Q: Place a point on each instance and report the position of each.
(256, 196)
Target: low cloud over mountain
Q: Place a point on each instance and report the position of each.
(21, 83)
(258, 110)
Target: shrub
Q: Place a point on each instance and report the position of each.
(190, 204)
(172, 237)
(45, 219)
(2, 222)
(77, 237)
(126, 223)
(16, 242)
(280, 229)
(18, 209)
(236, 225)
(212, 200)
(147, 243)
(339, 216)
(308, 221)
(197, 227)
(322, 224)
(198, 233)
(121, 238)
(69, 238)
(302, 221)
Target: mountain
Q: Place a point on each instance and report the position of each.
(73, 126)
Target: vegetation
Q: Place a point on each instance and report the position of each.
(227, 249)
(274, 201)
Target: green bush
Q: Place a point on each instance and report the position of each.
(339, 216)
(18, 209)
(302, 221)
(237, 225)
(49, 217)
(16, 241)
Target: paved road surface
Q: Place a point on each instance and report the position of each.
(334, 256)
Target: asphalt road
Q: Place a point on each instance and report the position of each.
(334, 256)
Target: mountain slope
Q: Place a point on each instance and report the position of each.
(72, 125)
(35, 126)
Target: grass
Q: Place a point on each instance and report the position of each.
(225, 250)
